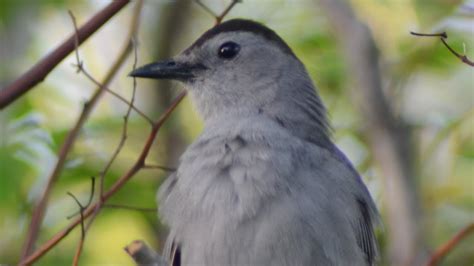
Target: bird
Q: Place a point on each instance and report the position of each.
(263, 184)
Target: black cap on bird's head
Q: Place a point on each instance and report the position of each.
(171, 69)
(243, 25)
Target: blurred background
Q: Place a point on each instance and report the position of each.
(430, 92)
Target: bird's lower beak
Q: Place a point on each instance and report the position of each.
(168, 69)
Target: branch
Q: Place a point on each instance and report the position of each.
(66, 146)
(83, 229)
(116, 95)
(144, 255)
(206, 8)
(224, 13)
(40, 70)
(442, 251)
(126, 207)
(92, 210)
(125, 118)
(159, 167)
(81, 69)
(135, 18)
(91, 196)
(443, 36)
(43, 249)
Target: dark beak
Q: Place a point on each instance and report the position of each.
(168, 69)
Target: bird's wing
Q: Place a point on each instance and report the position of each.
(364, 226)
(172, 251)
(364, 229)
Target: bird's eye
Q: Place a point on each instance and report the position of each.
(229, 50)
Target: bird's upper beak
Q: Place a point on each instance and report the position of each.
(167, 69)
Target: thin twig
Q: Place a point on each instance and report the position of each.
(463, 58)
(159, 167)
(443, 36)
(81, 211)
(103, 173)
(116, 95)
(66, 146)
(76, 42)
(126, 207)
(226, 11)
(125, 118)
(40, 70)
(122, 139)
(83, 229)
(91, 196)
(442, 251)
(206, 8)
(80, 68)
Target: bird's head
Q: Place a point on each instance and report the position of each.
(237, 67)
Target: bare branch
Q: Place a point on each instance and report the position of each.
(206, 8)
(91, 196)
(159, 167)
(81, 210)
(83, 229)
(40, 70)
(93, 210)
(442, 251)
(118, 96)
(463, 58)
(66, 146)
(80, 68)
(144, 255)
(76, 42)
(122, 139)
(43, 249)
(224, 13)
(80, 246)
(443, 36)
(126, 207)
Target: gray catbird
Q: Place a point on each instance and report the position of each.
(263, 184)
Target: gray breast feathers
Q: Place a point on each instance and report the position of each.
(245, 197)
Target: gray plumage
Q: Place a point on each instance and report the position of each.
(263, 184)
